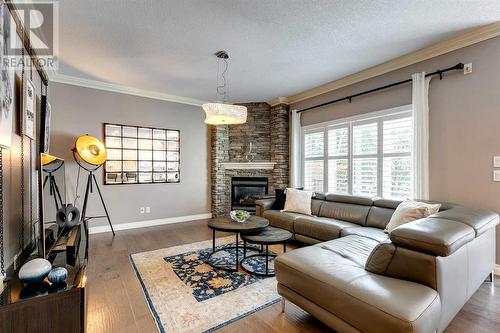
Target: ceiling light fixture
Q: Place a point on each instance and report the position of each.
(221, 112)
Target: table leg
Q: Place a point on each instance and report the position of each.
(267, 259)
(244, 249)
(284, 247)
(213, 240)
(237, 250)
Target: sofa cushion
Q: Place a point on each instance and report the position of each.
(345, 211)
(379, 217)
(316, 206)
(366, 301)
(478, 219)
(373, 233)
(436, 236)
(355, 248)
(351, 199)
(322, 228)
(279, 219)
(386, 203)
(380, 258)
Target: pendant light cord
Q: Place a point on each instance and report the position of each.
(223, 83)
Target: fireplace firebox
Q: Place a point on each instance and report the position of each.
(245, 190)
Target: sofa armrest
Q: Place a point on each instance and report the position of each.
(478, 219)
(435, 236)
(263, 205)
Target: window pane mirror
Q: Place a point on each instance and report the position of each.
(141, 155)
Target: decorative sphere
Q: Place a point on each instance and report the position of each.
(34, 270)
(58, 275)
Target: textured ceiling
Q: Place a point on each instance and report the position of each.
(277, 47)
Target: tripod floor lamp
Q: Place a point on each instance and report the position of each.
(90, 154)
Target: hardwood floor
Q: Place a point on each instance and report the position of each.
(116, 302)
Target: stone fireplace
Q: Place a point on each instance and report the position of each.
(267, 130)
(245, 190)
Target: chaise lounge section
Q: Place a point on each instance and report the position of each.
(356, 278)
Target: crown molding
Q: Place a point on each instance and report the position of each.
(279, 100)
(94, 84)
(469, 38)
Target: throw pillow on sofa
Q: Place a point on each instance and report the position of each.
(280, 195)
(410, 210)
(298, 201)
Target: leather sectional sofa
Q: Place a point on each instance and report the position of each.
(356, 278)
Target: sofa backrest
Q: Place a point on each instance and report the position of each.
(348, 208)
(366, 211)
(317, 202)
(381, 212)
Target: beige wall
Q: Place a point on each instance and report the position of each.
(77, 111)
(464, 121)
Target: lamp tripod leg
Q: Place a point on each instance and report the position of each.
(103, 204)
(86, 198)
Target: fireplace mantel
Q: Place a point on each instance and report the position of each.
(249, 165)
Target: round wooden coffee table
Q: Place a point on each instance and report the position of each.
(268, 236)
(225, 224)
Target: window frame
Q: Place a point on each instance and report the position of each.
(377, 117)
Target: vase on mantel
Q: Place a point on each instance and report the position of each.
(250, 155)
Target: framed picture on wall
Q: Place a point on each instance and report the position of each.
(7, 82)
(28, 111)
(46, 112)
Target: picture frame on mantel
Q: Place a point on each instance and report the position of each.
(28, 127)
(46, 112)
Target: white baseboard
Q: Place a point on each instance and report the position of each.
(149, 223)
(497, 270)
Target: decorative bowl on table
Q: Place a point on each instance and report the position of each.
(240, 216)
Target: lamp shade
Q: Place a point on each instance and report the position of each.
(90, 149)
(47, 159)
(224, 114)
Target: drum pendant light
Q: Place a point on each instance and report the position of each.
(221, 112)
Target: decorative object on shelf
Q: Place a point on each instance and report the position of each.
(250, 154)
(45, 125)
(58, 275)
(90, 153)
(28, 117)
(68, 216)
(141, 155)
(240, 216)
(7, 81)
(221, 112)
(35, 270)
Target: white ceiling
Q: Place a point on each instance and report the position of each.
(277, 47)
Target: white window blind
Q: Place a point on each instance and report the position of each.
(338, 160)
(368, 155)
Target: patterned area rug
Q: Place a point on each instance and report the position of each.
(187, 295)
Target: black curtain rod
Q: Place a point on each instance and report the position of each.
(349, 98)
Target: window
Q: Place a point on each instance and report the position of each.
(368, 155)
(141, 155)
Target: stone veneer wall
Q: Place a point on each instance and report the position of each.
(267, 128)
